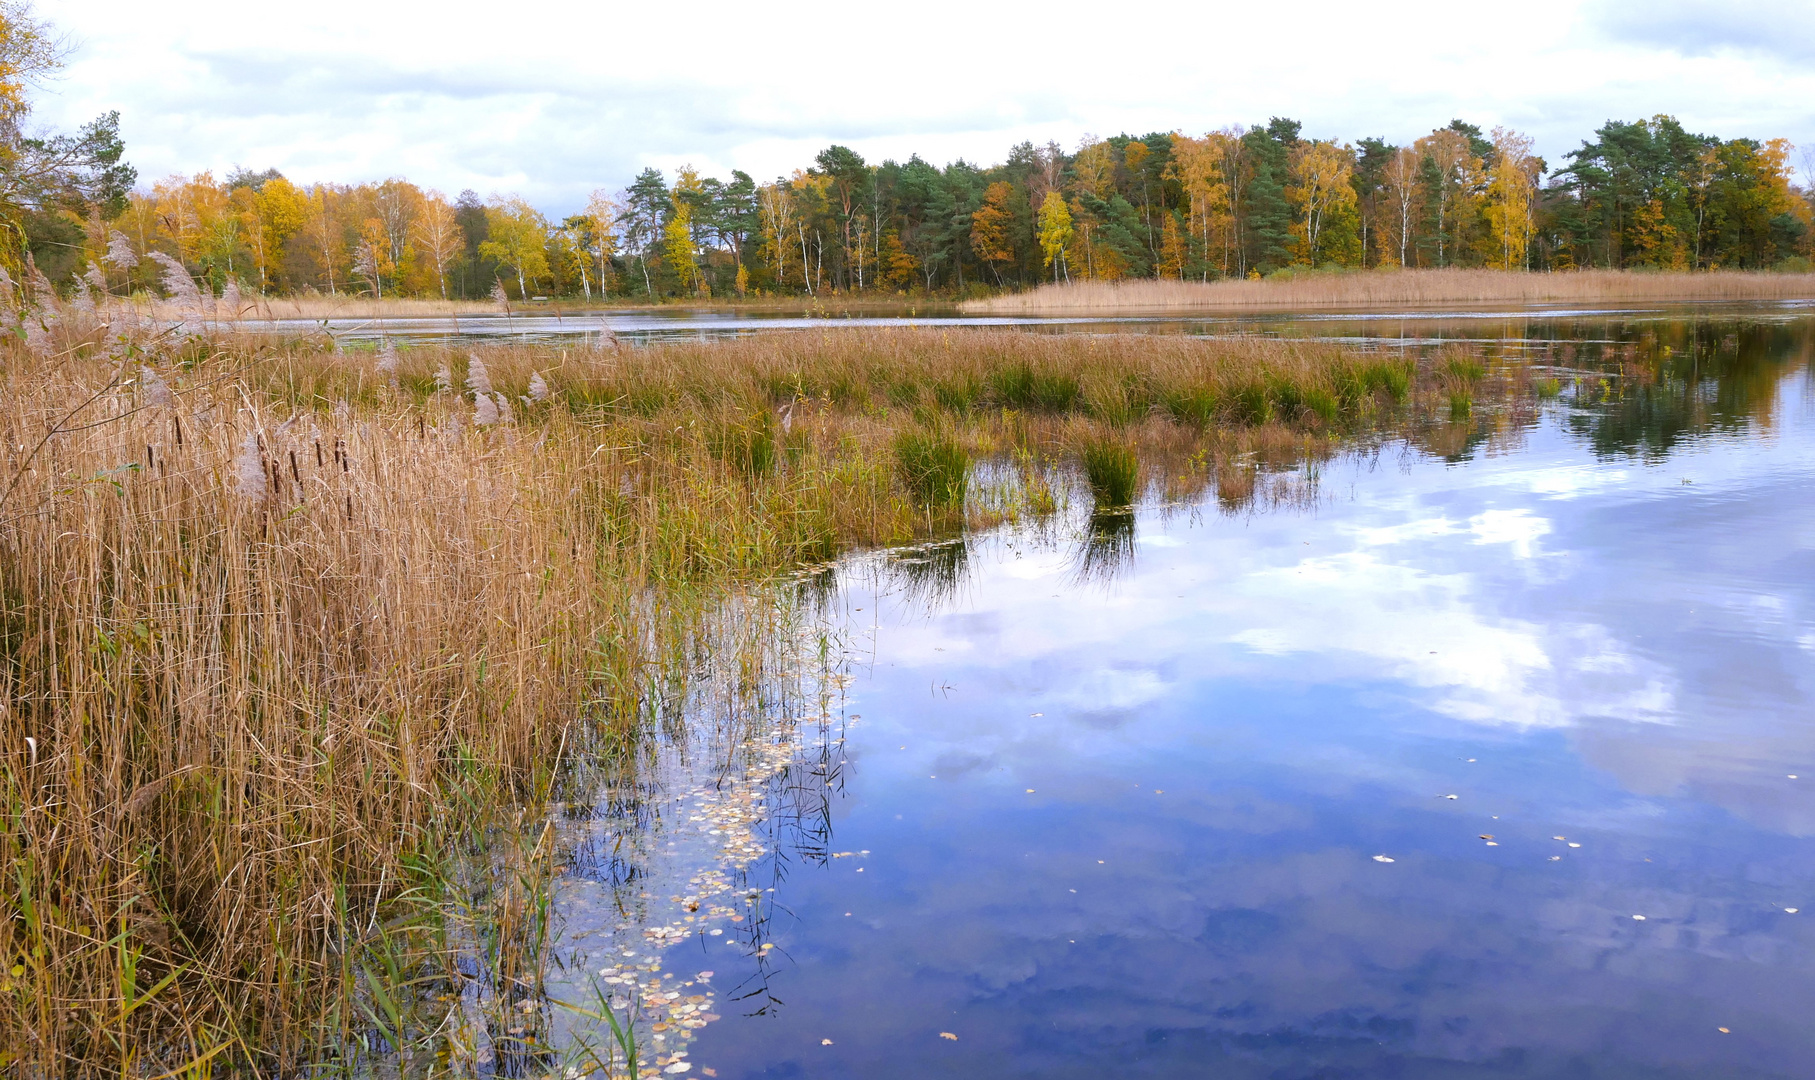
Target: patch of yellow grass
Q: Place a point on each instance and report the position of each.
(1398, 288)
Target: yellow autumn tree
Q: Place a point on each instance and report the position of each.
(1512, 183)
(1094, 166)
(1200, 166)
(1321, 194)
(677, 247)
(991, 237)
(439, 237)
(1055, 233)
(1458, 171)
(518, 240)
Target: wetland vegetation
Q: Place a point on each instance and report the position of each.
(297, 638)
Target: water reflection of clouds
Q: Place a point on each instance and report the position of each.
(1444, 592)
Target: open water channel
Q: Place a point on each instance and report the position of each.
(1498, 762)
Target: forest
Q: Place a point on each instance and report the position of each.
(1240, 202)
(1232, 203)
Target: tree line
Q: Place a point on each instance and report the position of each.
(1240, 202)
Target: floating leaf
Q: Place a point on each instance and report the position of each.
(825, 1042)
(1382, 858)
(948, 1035)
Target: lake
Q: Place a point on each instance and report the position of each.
(1498, 761)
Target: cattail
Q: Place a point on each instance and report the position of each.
(84, 301)
(504, 413)
(477, 379)
(444, 378)
(538, 389)
(251, 467)
(119, 251)
(485, 411)
(178, 283)
(387, 361)
(157, 391)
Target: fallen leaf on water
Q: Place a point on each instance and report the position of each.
(1575, 845)
(678, 1067)
(948, 1035)
(1556, 858)
(1723, 1031)
(1493, 843)
(1792, 910)
(1449, 796)
(709, 1070)
(1382, 858)
(1638, 918)
(825, 1042)
(1487, 836)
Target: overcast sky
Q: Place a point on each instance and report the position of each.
(552, 100)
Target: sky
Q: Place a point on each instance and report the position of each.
(554, 100)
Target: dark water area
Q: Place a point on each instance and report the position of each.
(1495, 762)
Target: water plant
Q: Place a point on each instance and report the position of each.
(1112, 470)
(933, 466)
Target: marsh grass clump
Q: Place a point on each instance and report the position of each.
(934, 467)
(1460, 374)
(1113, 471)
(745, 440)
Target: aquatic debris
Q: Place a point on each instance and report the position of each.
(825, 1042)
(1638, 918)
(1383, 858)
(948, 1035)
(1791, 910)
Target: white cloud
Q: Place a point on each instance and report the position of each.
(556, 100)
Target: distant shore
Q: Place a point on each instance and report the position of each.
(1380, 288)
(317, 307)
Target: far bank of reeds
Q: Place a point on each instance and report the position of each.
(1396, 288)
(285, 633)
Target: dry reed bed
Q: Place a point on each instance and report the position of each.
(284, 631)
(1393, 288)
(316, 306)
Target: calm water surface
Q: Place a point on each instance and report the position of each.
(1497, 765)
(1501, 322)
